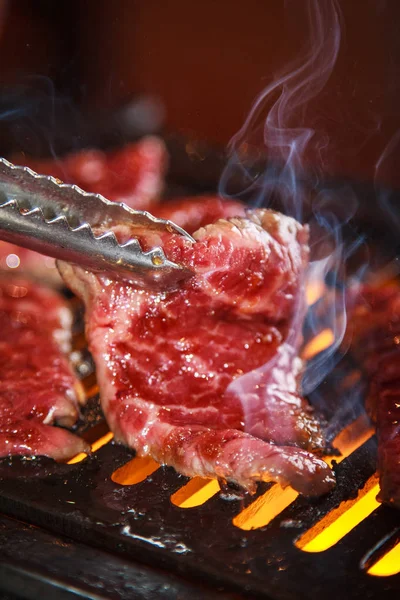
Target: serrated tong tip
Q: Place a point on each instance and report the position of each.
(60, 220)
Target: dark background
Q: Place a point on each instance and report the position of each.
(206, 61)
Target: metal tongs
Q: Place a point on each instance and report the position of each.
(43, 214)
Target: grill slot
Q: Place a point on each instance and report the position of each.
(337, 523)
(195, 493)
(388, 565)
(263, 510)
(135, 471)
(102, 441)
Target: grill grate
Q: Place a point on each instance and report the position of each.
(159, 522)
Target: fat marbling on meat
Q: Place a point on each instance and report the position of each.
(37, 384)
(170, 364)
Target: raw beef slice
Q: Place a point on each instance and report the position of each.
(133, 174)
(170, 365)
(37, 384)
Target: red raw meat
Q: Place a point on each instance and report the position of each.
(133, 174)
(37, 384)
(27, 437)
(172, 366)
(374, 331)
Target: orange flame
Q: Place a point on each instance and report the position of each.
(314, 291)
(95, 446)
(388, 564)
(320, 342)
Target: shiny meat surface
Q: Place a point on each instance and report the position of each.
(374, 332)
(193, 375)
(28, 437)
(37, 384)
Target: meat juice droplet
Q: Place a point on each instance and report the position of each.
(157, 260)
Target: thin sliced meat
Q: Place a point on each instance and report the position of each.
(26, 437)
(37, 384)
(168, 363)
(133, 174)
(374, 332)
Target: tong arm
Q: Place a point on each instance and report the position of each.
(60, 220)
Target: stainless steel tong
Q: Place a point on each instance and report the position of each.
(43, 214)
